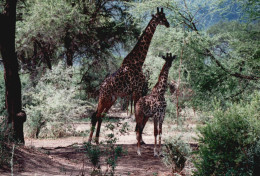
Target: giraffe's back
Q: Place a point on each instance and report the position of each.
(151, 105)
(123, 82)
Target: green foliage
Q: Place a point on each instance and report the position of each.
(107, 149)
(4, 150)
(47, 21)
(175, 153)
(53, 104)
(197, 29)
(93, 33)
(93, 152)
(226, 142)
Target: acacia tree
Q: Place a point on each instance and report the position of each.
(13, 102)
(86, 32)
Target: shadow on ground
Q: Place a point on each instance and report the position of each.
(72, 160)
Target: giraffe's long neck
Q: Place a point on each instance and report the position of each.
(137, 56)
(161, 86)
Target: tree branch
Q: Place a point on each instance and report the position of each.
(208, 53)
(236, 74)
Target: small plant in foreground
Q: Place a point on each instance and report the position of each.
(107, 149)
(175, 153)
(94, 153)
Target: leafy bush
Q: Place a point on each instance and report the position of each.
(175, 153)
(4, 149)
(53, 104)
(109, 150)
(93, 152)
(229, 143)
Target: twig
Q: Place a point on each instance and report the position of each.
(12, 162)
(179, 79)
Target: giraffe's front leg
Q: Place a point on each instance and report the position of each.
(106, 105)
(145, 119)
(138, 135)
(93, 125)
(161, 119)
(155, 136)
(139, 116)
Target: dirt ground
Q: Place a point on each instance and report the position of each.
(66, 156)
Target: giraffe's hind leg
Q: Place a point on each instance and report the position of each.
(139, 116)
(145, 119)
(93, 124)
(141, 136)
(103, 110)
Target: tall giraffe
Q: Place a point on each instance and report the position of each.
(153, 105)
(129, 78)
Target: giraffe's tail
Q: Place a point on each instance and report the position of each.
(130, 98)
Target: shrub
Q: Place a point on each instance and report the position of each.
(53, 104)
(175, 153)
(5, 154)
(226, 143)
(109, 150)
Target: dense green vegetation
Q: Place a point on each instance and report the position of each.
(67, 48)
(229, 143)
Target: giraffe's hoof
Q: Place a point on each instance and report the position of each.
(138, 152)
(155, 152)
(161, 154)
(97, 141)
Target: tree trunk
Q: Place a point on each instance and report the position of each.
(13, 98)
(69, 55)
(69, 49)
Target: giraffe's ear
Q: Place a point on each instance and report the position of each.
(164, 57)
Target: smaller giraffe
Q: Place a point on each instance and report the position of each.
(153, 105)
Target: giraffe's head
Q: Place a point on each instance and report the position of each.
(169, 58)
(160, 18)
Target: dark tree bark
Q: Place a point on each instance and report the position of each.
(69, 49)
(13, 98)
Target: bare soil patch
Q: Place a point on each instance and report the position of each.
(66, 156)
